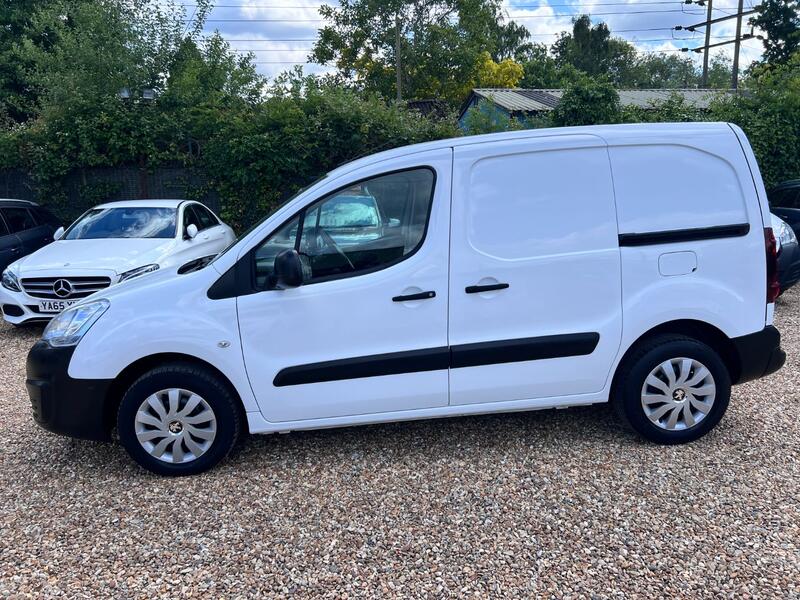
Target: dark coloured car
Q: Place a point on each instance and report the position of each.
(24, 228)
(788, 253)
(784, 201)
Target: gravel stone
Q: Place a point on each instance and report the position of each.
(559, 503)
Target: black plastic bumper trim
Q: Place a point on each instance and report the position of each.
(12, 310)
(759, 354)
(61, 404)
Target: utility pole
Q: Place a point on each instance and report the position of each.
(737, 46)
(708, 41)
(737, 40)
(397, 62)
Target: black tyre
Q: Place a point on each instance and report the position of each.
(178, 419)
(672, 389)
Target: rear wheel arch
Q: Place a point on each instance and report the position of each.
(135, 370)
(699, 330)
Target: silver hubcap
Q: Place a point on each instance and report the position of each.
(175, 425)
(678, 394)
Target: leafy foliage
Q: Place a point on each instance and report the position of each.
(265, 154)
(780, 20)
(587, 102)
(441, 42)
(504, 74)
(484, 117)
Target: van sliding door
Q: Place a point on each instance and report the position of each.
(535, 307)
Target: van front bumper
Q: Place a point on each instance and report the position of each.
(61, 404)
(760, 354)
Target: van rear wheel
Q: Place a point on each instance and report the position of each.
(672, 390)
(179, 419)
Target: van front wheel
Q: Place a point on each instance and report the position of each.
(178, 419)
(672, 390)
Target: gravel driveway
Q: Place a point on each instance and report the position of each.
(551, 503)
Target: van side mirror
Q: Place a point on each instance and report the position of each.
(288, 270)
(191, 232)
(58, 234)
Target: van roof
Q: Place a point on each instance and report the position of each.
(609, 133)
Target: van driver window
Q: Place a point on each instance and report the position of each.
(362, 228)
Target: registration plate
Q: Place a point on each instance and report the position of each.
(54, 306)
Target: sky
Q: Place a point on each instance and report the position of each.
(281, 33)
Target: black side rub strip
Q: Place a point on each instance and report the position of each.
(436, 359)
(393, 363)
(683, 235)
(537, 348)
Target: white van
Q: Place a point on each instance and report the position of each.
(507, 272)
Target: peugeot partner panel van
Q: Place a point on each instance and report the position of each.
(547, 268)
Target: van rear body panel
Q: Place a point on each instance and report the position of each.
(691, 232)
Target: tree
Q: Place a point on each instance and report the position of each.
(661, 71)
(780, 20)
(84, 52)
(588, 102)
(439, 43)
(18, 94)
(592, 50)
(719, 72)
(504, 74)
(542, 70)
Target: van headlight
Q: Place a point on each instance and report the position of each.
(10, 281)
(69, 327)
(138, 271)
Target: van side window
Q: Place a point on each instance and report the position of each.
(367, 226)
(18, 219)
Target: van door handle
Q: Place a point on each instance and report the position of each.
(419, 296)
(476, 289)
(15, 250)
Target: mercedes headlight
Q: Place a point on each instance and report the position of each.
(785, 234)
(10, 281)
(138, 271)
(69, 327)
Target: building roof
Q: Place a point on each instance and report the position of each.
(522, 100)
(431, 107)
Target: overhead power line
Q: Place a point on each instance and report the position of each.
(737, 40)
(510, 16)
(295, 6)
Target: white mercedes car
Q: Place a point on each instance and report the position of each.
(109, 244)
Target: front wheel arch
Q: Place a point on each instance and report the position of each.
(141, 366)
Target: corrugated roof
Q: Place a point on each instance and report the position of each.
(523, 100)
